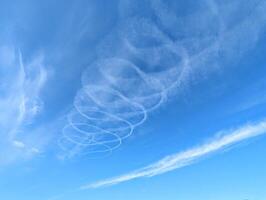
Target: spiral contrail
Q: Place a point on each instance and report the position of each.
(135, 73)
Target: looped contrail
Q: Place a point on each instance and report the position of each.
(119, 90)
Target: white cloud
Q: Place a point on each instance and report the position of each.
(20, 89)
(189, 156)
(18, 144)
(21, 145)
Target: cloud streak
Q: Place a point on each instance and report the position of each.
(189, 156)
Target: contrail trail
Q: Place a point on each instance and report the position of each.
(147, 62)
(188, 157)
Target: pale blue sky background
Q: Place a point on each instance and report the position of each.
(76, 77)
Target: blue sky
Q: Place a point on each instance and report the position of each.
(132, 100)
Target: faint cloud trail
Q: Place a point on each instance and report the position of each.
(189, 156)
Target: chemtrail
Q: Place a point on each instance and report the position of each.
(188, 157)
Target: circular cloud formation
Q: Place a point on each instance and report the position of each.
(139, 63)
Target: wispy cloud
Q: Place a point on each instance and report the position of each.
(189, 156)
(18, 144)
(20, 101)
